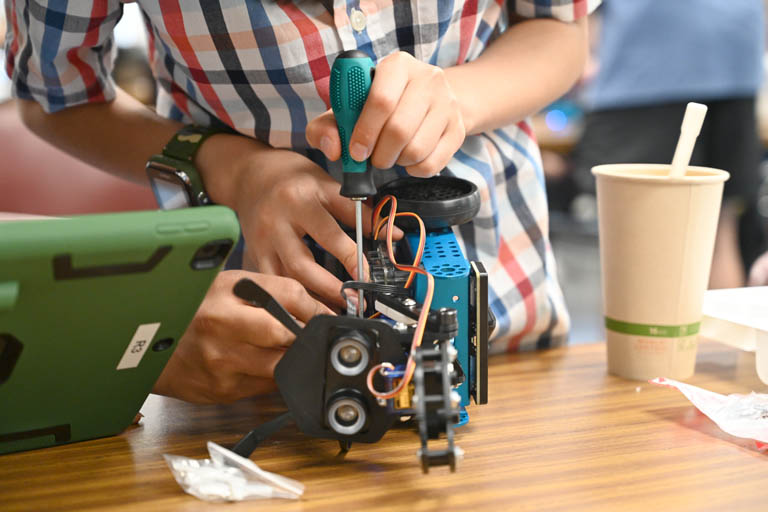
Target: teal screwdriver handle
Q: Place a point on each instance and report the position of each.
(351, 77)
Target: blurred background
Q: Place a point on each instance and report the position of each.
(39, 179)
(648, 58)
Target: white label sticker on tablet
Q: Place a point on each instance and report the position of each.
(141, 340)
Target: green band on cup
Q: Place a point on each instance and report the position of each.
(656, 331)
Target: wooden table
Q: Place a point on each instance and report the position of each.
(558, 434)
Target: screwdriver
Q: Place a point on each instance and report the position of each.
(351, 76)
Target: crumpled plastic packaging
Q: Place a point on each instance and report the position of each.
(739, 415)
(227, 476)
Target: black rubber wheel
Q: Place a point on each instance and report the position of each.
(440, 201)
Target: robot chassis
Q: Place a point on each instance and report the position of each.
(323, 376)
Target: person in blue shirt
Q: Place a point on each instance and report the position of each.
(656, 56)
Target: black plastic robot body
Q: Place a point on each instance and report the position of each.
(324, 376)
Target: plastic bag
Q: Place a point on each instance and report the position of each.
(227, 476)
(743, 416)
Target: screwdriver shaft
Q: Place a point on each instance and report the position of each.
(359, 238)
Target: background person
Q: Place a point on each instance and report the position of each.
(654, 57)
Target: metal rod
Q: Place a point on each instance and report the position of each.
(359, 237)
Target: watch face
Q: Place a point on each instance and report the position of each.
(170, 195)
(170, 190)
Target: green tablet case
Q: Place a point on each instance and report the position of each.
(91, 308)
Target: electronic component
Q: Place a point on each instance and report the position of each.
(421, 350)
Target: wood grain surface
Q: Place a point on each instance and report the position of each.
(558, 434)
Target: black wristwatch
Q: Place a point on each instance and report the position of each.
(172, 174)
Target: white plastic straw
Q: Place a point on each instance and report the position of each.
(689, 130)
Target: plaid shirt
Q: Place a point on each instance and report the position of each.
(263, 68)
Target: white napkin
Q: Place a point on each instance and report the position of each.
(739, 415)
(227, 476)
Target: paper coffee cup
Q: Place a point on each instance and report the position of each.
(657, 235)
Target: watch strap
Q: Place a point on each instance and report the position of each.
(187, 141)
(179, 155)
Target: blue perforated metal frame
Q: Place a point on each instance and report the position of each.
(444, 259)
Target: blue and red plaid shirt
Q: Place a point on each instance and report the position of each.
(262, 67)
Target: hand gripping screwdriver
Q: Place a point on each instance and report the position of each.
(351, 76)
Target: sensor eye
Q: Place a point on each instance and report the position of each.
(346, 416)
(349, 356)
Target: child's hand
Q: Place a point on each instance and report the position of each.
(411, 118)
(230, 349)
(283, 196)
(280, 196)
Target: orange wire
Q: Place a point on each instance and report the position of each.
(377, 212)
(421, 323)
(410, 366)
(419, 250)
